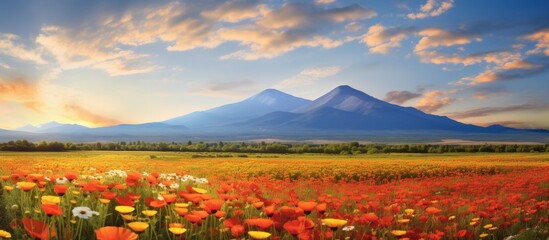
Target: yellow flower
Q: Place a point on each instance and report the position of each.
(259, 234)
(493, 228)
(124, 209)
(334, 223)
(404, 220)
(200, 190)
(75, 192)
(138, 226)
(127, 217)
(409, 211)
(181, 205)
(177, 230)
(452, 218)
(104, 200)
(4, 234)
(487, 226)
(475, 219)
(8, 188)
(48, 199)
(149, 213)
(398, 233)
(483, 235)
(26, 186)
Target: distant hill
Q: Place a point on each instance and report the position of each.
(267, 101)
(342, 114)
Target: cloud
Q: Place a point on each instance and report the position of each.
(487, 111)
(381, 40)
(6, 66)
(432, 8)
(435, 100)
(542, 39)
(78, 113)
(324, 1)
(400, 97)
(290, 27)
(80, 49)
(435, 37)
(309, 76)
(9, 46)
(225, 89)
(484, 91)
(20, 90)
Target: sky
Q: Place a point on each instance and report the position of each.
(101, 63)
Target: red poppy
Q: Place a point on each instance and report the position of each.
(108, 195)
(115, 233)
(124, 200)
(269, 211)
(294, 227)
(261, 223)
(237, 230)
(213, 205)
(193, 218)
(38, 229)
(71, 175)
(157, 204)
(169, 198)
(60, 189)
(52, 209)
(307, 207)
(133, 196)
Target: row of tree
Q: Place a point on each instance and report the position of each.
(263, 147)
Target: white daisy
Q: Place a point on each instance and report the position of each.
(82, 212)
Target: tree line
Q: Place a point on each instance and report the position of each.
(263, 147)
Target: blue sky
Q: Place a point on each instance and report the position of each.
(101, 63)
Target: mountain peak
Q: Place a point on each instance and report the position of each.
(270, 97)
(345, 98)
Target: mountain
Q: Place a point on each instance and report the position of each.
(265, 102)
(343, 114)
(350, 109)
(52, 127)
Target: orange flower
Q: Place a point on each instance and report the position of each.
(38, 229)
(52, 209)
(213, 205)
(307, 207)
(115, 233)
(261, 223)
(433, 210)
(157, 204)
(108, 195)
(193, 218)
(169, 198)
(26, 186)
(71, 175)
(60, 190)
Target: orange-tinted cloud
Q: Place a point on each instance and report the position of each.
(21, 91)
(435, 100)
(400, 97)
(9, 45)
(432, 8)
(542, 39)
(79, 113)
(435, 37)
(486, 111)
(381, 40)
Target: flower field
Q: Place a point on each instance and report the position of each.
(144, 195)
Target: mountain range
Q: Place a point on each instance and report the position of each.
(341, 114)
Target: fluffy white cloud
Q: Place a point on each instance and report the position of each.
(10, 45)
(432, 8)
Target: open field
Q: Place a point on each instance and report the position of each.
(308, 196)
